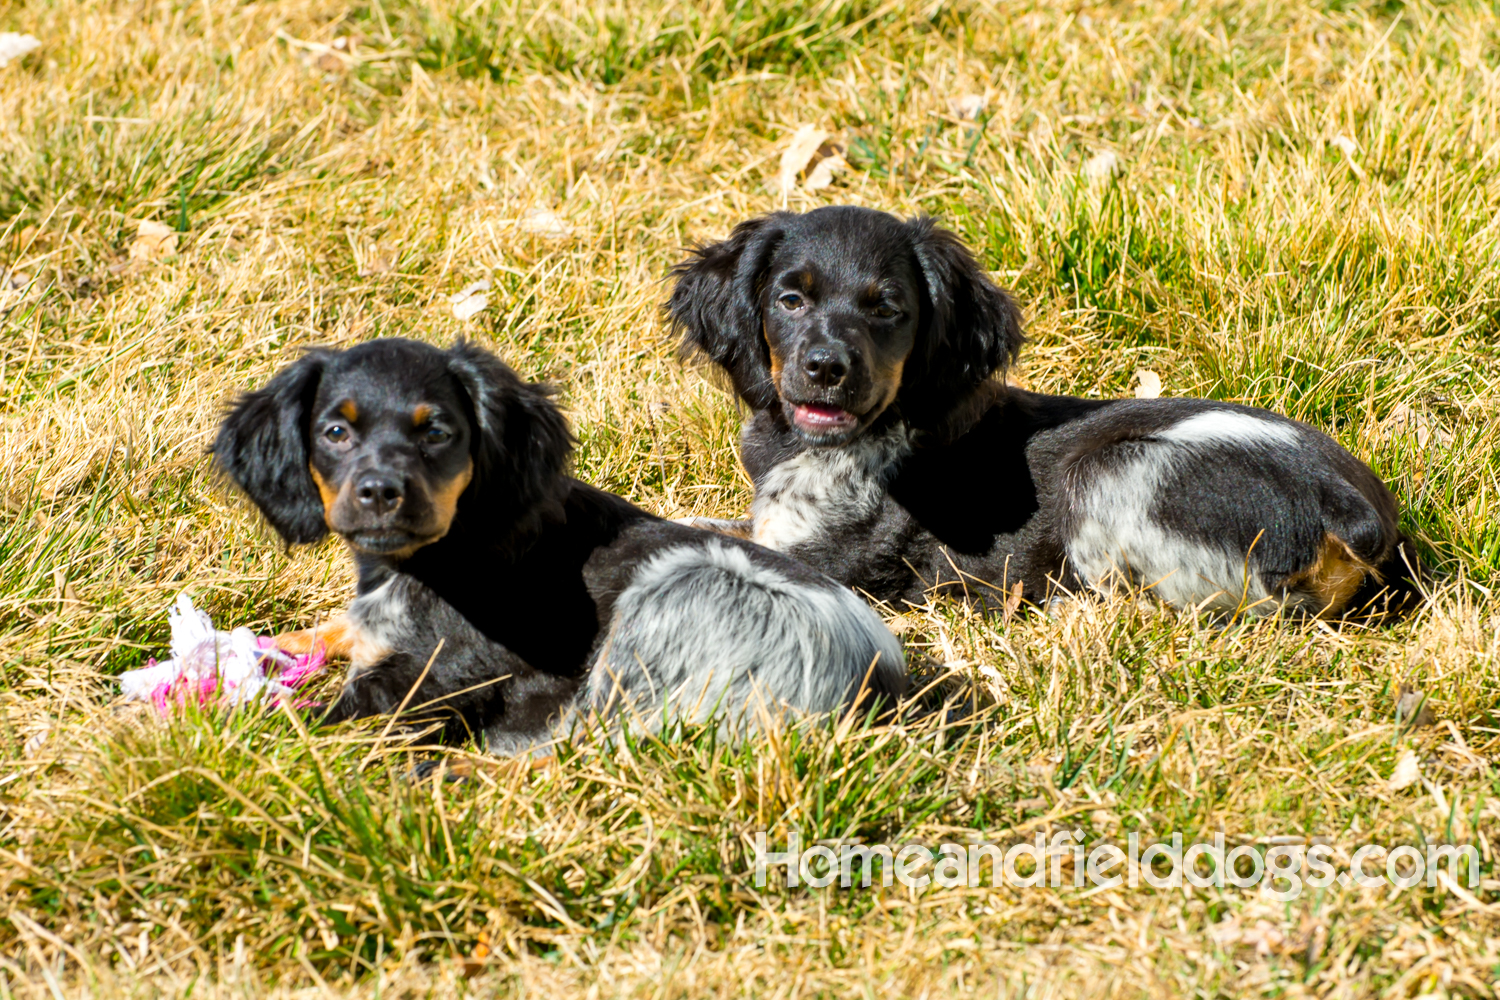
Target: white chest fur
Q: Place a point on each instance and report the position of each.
(822, 488)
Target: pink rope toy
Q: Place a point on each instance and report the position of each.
(228, 667)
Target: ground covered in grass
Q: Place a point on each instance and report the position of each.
(1289, 205)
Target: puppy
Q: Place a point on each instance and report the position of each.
(884, 453)
(442, 472)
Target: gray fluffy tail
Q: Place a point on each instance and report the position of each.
(705, 629)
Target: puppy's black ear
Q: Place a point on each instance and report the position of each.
(716, 303)
(262, 446)
(521, 442)
(971, 327)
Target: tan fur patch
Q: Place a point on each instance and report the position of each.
(445, 498)
(336, 634)
(349, 411)
(1334, 577)
(421, 414)
(777, 363)
(888, 377)
(340, 637)
(327, 491)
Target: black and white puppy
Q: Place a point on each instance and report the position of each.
(884, 453)
(443, 473)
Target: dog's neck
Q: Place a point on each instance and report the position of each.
(967, 408)
(800, 499)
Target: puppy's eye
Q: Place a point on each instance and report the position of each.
(435, 435)
(884, 311)
(337, 433)
(791, 301)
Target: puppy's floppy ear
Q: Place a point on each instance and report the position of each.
(262, 446)
(716, 303)
(521, 442)
(971, 327)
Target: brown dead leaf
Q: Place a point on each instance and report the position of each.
(1102, 167)
(153, 241)
(822, 173)
(546, 223)
(1265, 936)
(799, 152)
(1012, 602)
(1349, 147)
(1405, 419)
(1412, 709)
(376, 261)
(1408, 771)
(470, 300)
(1148, 384)
(34, 742)
(968, 106)
(13, 46)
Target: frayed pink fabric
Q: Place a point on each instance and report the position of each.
(209, 666)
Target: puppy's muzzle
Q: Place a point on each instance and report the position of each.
(826, 365)
(378, 494)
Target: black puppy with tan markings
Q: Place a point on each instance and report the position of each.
(886, 453)
(442, 471)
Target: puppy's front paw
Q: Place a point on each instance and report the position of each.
(336, 636)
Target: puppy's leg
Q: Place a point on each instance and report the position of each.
(722, 526)
(417, 655)
(337, 635)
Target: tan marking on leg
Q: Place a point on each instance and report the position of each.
(349, 411)
(364, 652)
(1334, 577)
(336, 635)
(341, 639)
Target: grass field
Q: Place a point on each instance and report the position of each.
(1289, 205)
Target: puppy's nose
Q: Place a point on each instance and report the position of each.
(826, 364)
(378, 493)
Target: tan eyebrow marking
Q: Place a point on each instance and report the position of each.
(421, 414)
(349, 411)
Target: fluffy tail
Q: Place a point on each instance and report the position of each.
(711, 628)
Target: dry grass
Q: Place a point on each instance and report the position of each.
(325, 195)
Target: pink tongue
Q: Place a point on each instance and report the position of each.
(815, 413)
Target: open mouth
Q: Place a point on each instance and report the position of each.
(822, 418)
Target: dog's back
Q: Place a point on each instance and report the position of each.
(885, 451)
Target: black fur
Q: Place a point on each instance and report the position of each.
(986, 486)
(519, 579)
(523, 442)
(262, 446)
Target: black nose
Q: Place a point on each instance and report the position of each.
(378, 493)
(826, 364)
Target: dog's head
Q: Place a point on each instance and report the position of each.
(380, 442)
(836, 315)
